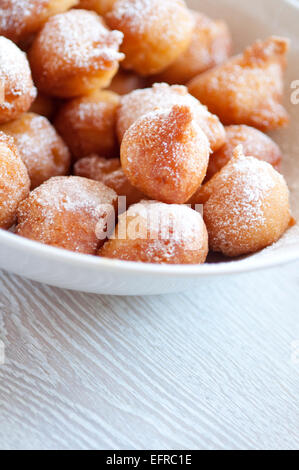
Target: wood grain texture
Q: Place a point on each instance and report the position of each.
(210, 369)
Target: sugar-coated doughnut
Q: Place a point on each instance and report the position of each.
(101, 7)
(109, 172)
(156, 32)
(165, 154)
(124, 82)
(162, 96)
(19, 19)
(247, 207)
(74, 53)
(162, 131)
(14, 181)
(211, 45)
(247, 89)
(68, 212)
(88, 124)
(17, 91)
(40, 147)
(44, 105)
(254, 142)
(153, 232)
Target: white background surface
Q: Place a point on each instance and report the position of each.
(211, 369)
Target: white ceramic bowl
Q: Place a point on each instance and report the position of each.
(248, 21)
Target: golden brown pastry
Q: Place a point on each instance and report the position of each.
(20, 19)
(124, 82)
(17, 91)
(156, 32)
(247, 206)
(44, 105)
(40, 147)
(109, 172)
(153, 232)
(162, 96)
(247, 89)
(99, 6)
(254, 143)
(68, 212)
(211, 45)
(165, 155)
(88, 124)
(74, 53)
(14, 181)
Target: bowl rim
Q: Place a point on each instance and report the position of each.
(98, 264)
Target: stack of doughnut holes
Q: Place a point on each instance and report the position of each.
(143, 102)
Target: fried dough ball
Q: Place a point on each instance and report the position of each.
(124, 82)
(153, 232)
(43, 105)
(255, 144)
(140, 102)
(88, 124)
(248, 206)
(165, 154)
(156, 32)
(19, 19)
(68, 212)
(14, 181)
(101, 7)
(247, 89)
(40, 147)
(74, 53)
(17, 91)
(109, 172)
(211, 45)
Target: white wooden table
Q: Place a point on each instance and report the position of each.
(212, 369)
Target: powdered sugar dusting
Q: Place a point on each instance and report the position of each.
(167, 234)
(165, 154)
(239, 198)
(67, 212)
(210, 46)
(15, 13)
(175, 221)
(87, 109)
(140, 15)
(14, 74)
(79, 40)
(248, 88)
(14, 182)
(71, 194)
(162, 96)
